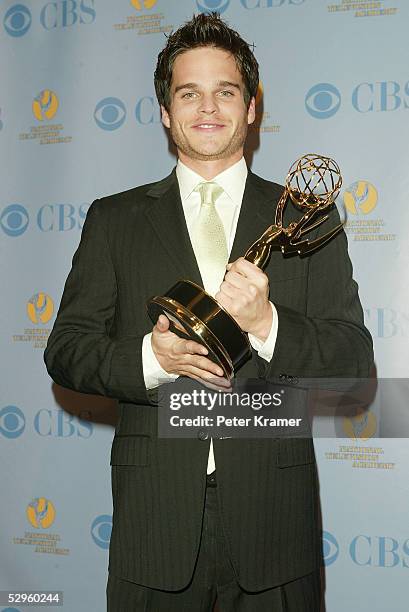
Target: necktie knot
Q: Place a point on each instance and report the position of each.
(209, 192)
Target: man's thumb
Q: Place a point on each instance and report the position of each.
(163, 323)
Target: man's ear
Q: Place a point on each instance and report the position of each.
(251, 112)
(165, 116)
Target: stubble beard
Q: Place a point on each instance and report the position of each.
(235, 143)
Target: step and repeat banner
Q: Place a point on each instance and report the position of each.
(79, 120)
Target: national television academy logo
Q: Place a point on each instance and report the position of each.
(260, 93)
(360, 427)
(322, 101)
(360, 198)
(139, 5)
(40, 513)
(143, 20)
(40, 308)
(45, 105)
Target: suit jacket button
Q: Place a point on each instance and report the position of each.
(202, 434)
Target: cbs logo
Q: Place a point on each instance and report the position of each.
(322, 101)
(101, 529)
(110, 113)
(12, 422)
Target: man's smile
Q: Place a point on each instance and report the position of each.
(206, 126)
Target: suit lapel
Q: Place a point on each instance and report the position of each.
(256, 213)
(165, 213)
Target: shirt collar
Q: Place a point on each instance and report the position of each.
(232, 180)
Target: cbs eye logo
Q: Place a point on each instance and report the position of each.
(322, 101)
(14, 220)
(110, 114)
(101, 530)
(12, 422)
(206, 6)
(330, 548)
(17, 20)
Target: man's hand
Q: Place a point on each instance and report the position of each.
(244, 294)
(185, 357)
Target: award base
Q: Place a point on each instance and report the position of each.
(203, 320)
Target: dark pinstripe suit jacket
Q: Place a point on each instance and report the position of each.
(135, 245)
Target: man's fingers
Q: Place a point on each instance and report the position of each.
(244, 267)
(210, 383)
(188, 347)
(235, 280)
(201, 363)
(209, 366)
(230, 291)
(184, 357)
(224, 300)
(207, 377)
(193, 348)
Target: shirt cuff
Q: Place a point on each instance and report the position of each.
(153, 373)
(265, 349)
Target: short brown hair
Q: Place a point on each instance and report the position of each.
(205, 30)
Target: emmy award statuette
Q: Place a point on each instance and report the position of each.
(312, 184)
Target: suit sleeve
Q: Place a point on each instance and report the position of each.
(328, 340)
(83, 352)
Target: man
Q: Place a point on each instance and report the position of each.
(250, 536)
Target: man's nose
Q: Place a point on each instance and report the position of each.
(208, 105)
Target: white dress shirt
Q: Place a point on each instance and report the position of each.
(228, 205)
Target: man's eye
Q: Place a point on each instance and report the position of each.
(189, 94)
(226, 93)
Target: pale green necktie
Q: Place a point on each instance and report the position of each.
(209, 239)
(210, 247)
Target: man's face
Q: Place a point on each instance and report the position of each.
(207, 117)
